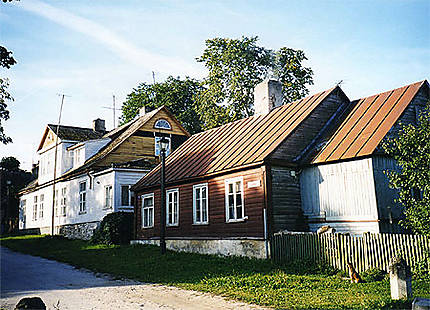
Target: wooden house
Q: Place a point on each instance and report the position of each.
(230, 187)
(95, 170)
(294, 167)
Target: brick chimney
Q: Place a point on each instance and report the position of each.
(267, 96)
(99, 125)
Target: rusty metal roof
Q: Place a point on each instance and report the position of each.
(367, 124)
(243, 143)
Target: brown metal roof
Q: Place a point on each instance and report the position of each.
(367, 124)
(239, 144)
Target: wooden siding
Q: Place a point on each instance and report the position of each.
(253, 227)
(339, 192)
(162, 114)
(286, 213)
(306, 134)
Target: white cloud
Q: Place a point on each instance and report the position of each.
(126, 50)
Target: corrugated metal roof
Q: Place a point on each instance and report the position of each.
(367, 124)
(238, 144)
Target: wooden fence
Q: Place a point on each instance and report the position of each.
(366, 252)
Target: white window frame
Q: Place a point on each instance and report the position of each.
(63, 201)
(147, 196)
(108, 201)
(200, 188)
(83, 198)
(158, 121)
(240, 217)
(23, 210)
(157, 151)
(56, 203)
(41, 205)
(79, 156)
(129, 195)
(34, 208)
(172, 223)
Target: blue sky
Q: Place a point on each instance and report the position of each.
(91, 50)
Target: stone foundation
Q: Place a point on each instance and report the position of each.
(82, 231)
(224, 247)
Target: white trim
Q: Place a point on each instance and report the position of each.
(151, 195)
(129, 195)
(105, 206)
(161, 127)
(227, 213)
(200, 186)
(173, 190)
(83, 210)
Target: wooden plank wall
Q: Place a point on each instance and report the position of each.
(366, 252)
(217, 227)
(287, 213)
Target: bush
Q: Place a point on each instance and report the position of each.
(115, 228)
(421, 270)
(374, 274)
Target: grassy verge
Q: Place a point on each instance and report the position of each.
(256, 281)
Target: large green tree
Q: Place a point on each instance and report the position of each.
(6, 61)
(176, 94)
(235, 67)
(411, 149)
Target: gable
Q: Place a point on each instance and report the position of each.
(48, 139)
(368, 123)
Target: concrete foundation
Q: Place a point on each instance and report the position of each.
(224, 247)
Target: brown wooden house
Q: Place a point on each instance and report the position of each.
(230, 187)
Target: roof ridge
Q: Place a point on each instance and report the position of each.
(393, 89)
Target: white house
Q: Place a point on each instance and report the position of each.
(94, 172)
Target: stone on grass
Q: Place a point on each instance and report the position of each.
(35, 303)
(400, 279)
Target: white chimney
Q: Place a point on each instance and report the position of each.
(267, 96)
(142, 111)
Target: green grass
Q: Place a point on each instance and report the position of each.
(296, 286)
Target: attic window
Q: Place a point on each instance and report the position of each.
(162, 124)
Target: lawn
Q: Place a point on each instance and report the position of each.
(296, 286)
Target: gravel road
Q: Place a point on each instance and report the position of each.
(62, 286)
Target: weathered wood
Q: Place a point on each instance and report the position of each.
(366, 252)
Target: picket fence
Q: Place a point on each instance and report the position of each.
(364, 252)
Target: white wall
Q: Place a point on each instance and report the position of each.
(343, 192)
(95, 198)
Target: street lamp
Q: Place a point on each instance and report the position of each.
(164, 144)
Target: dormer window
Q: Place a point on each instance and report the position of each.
(79, 156)
(162, 124)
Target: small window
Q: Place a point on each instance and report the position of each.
(79, 156)
(23, 210)
(56, 203)
(41, 203)
(157, 146)
(200, 203)
(148, 210)
(82, 197)
(162, 124)
(125, 195)
(234, 204)
(172, 207)
(63, 201)
(108, 196)
(35, 208)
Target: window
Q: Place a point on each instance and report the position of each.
(63, 201)
(148, 210)
(23, 210)
(82, 197)
(234, 200)
(41, 201)
(108, 196)
(162, 124)
(56, 203)
(79, 157)
(157, 146)
(172, 206)
(200, 203)
(35, 208)
(125, 195)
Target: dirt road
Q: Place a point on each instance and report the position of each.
(62, 286)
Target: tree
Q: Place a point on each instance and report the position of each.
(176, 94)
(411, 149)
(235, 67)
(6, 61)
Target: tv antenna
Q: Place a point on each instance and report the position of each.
(113, 110)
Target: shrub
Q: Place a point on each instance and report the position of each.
(115, 228)
(374, 274)
(421, 270)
